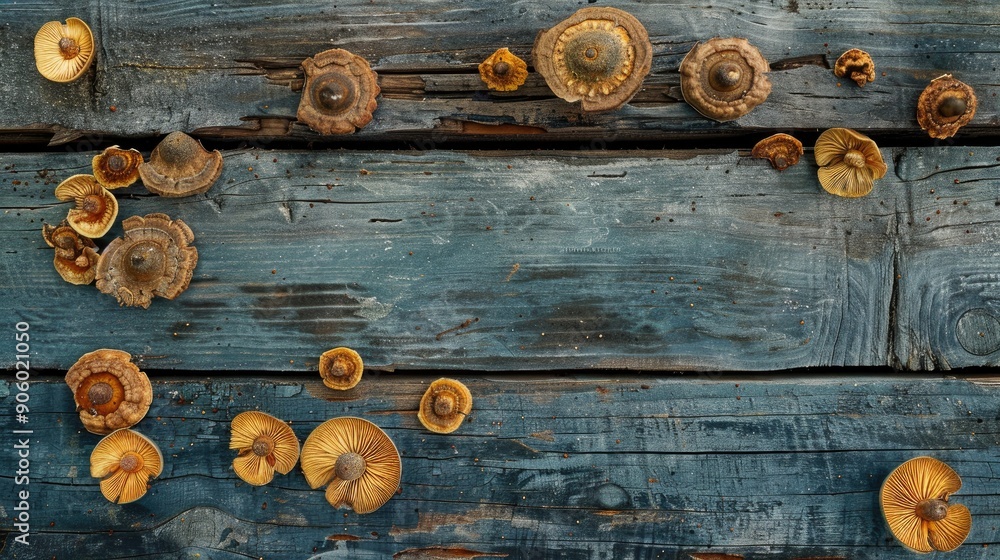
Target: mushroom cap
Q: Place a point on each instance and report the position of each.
(125, 460)
(75, 256)
(598, 56)
(109, 390)
(352, 436)
(341, 368)
(444, 406)
(945, 106)
(96, 208)
(339, 92)
(180, 166)
(64, 51)
(902, 497)
(265, 443)
(857, 65)
(154, 258)
(503, 71)
(116, 168)
(781, 149)
(724, 79)
(849, 162)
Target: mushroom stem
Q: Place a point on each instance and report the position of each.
(932, 510)
(100, 393)
(854, 158)
(263, 446)
(68, 48)
(444, 404)
(725, 76)
(350, 466)
(130, 462)
(952, 106)
(501, 68)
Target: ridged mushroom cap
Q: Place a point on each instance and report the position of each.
(75, 256)
(125, 460)
(109, 390)
(849, 162)
(265, 444)
(339, 93)
(914, 500)
(945, 106)
(180, 166)
(64, 51)
(782, 150)
(341, 368)
(503, 71)
(96, 208)
(724, 79)
(116, 168)
(857, 65)
(445, 405)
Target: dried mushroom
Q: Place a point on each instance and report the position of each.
(724, 79)
(444, 406)
(945, 106)
(96, 208)
(914, 499)
(64, 51)
(849, 162)
(75, 256)
(782, 150)
(357, 462)
(116, 168)
(109, 390)
(154, 258)
(503, 71)
(180, 166)
(598, 56)
(857, 65)
(125, 460)
(339, 92)
(341, 368)
(265, 444)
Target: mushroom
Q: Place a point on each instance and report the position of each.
(64, 51)
(339, 92)
(914, 499)
(96, 208)
(109, 390)
(857, 65)
(265, 444)
(356, 459)
(724, 79)
(341, 368)
(781, 149)
(125, 460)
(154, 258)
(598, 56)
(115, 168)
(945, 106)
(180, 166)
(444, 406)
(849, 162)
(75, 256)
(503, 71)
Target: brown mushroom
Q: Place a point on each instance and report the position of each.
(444, 406)
(109, 390)
(96, 208)
(265, 444)
(857, 65)
(339, 92)
(914, 499)
(341, 368)
(503, 71)
(781, 149)
(154, 258)
(357, 461)
(75, 256)
(849, 162)
(598, 56)
(64, 51)
(180, 166)
(125, 460)
(945, 106)
(116, 168)
(724, 79)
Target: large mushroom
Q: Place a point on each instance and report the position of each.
(914, 501)
(339, 93)
(445, 405)
(849, 162)
(64, 51)
(180, 166)
(945, 106)
(265, 444)
(341, 368)
(96, 208)
(109, 390)
(75, 256)
(125, 460)
(724, 79)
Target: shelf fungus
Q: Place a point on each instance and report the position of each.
(109, 390)
(444, 406)
(115, 168)
(857, 65)
(355, 460)
(503, 71)
(341, 368)
(265, 443)
(339, 93)
(76, 256)
(598, 56)
(849, 162)
(96, 208)
(781, 150)
(154, 258)
(945, 106)
(914, 500)
(125, 460)
(724, 79)
(180, 166)
(64, 51)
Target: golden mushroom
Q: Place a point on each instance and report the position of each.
(339, 93)
(782, 150)
(849, 162)
(109, 390)
(116, 168)
(341, 368)
(724, 79)
(75, 256)
(857, 65)
(945, 106)
(357, 461)
(914, 499)
(503, 71)
(444, 406)
(125, 460)
(96, 208)
(64, 51)
(599, 56)
(180, 166)
(265, 444)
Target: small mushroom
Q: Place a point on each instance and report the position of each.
(914, 499)
(109, 390)
(265, 444)
(945, 106)
(96, 208)
(357, 461)
(781, 149)
(75, 256)
(341, 368)
(444, 406)
(125, 460)
(503, 71)
(339, 92)
(724, 79)
(849, 162)
(857, 65)
(116, 168)
(154, 258)
(64, 51)
(598, 56)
